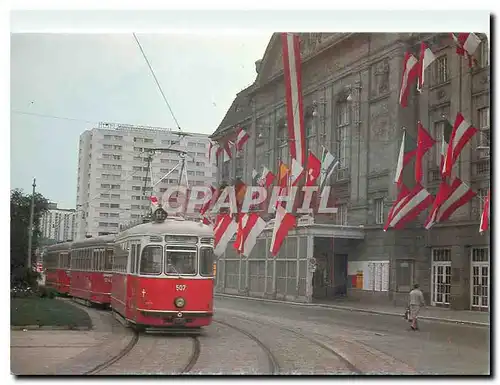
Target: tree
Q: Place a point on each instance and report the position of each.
(19, 222)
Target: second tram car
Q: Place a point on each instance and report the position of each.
(92, 269)
(57, 262)
(163, 274)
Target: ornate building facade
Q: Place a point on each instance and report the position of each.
(351, 84)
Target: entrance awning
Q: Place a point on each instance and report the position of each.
(306, 227)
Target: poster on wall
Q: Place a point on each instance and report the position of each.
(369, 275)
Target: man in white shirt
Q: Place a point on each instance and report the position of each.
(416, 303)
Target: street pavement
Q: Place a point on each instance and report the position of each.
(251, 337)
(437, 348)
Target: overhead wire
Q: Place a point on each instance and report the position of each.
(157, 82)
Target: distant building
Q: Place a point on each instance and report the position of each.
(58, 225)
(113, 171)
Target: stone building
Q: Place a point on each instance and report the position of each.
(350, 84)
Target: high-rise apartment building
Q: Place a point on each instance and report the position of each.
(113, 171)
(58, 224)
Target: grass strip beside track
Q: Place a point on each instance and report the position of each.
(47, 312)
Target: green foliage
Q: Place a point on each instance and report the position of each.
(19, 222)
(46, 292)
(44, 312)
(22, 277)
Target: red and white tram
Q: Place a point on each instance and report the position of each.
(163, 274)
(57, 267)
(91, 269)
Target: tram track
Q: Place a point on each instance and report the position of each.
(122, 353)
(274, 366)
(194, 356)
(348, 364)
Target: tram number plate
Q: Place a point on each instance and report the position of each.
(180, 287)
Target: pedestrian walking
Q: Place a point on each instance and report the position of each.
(416, 303)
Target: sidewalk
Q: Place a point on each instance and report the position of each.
(429, 313)
(67, 352)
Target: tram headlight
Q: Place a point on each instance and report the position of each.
(179, 302)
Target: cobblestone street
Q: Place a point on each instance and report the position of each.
(249, 337)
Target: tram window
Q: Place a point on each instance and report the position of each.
(151, 260)
(88, 257)
(137, 257)
(180, 262)
(132, 259)
(101, 259)
(94, 259)
(108, 265)
(206, 261)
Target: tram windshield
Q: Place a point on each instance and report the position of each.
(151, 260)
(206, 261)
(180, 262)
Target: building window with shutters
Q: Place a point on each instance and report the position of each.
(435, 156)
(484, 54)
(341, 217)
(441, 71)
(342, 134)
(379, 211)
(484, 127)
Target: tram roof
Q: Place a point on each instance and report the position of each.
(171, 226)
(100, 240)
(58, 246)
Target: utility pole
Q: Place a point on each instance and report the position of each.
(30, 229)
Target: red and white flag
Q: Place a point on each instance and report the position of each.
(461, 134)
(403, 159)
(400, 200)
(425, 60)
(224, 229)
(414, 203)
(212, 151)
(410, 74)
(241, 139)
(296, 172)
(292, 68)
(313, 169)
(250, 227)
(459, 195)
(206, 221)
(225, 150)
(485, 215)
(424, 143)
(441, 196)
(241, 222)
(284, 222)
(467, 44)
(154, 202)
(444, 149)
(266, 179)
(206, 206)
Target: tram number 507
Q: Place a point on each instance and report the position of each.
(180, 287)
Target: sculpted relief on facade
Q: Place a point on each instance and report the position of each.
(380, 78)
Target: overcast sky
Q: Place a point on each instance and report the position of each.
(105, 78)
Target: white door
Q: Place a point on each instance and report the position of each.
(441, 284)
(441, 277)
(480, 279)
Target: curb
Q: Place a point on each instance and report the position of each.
(346, 308)
(49, 327)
